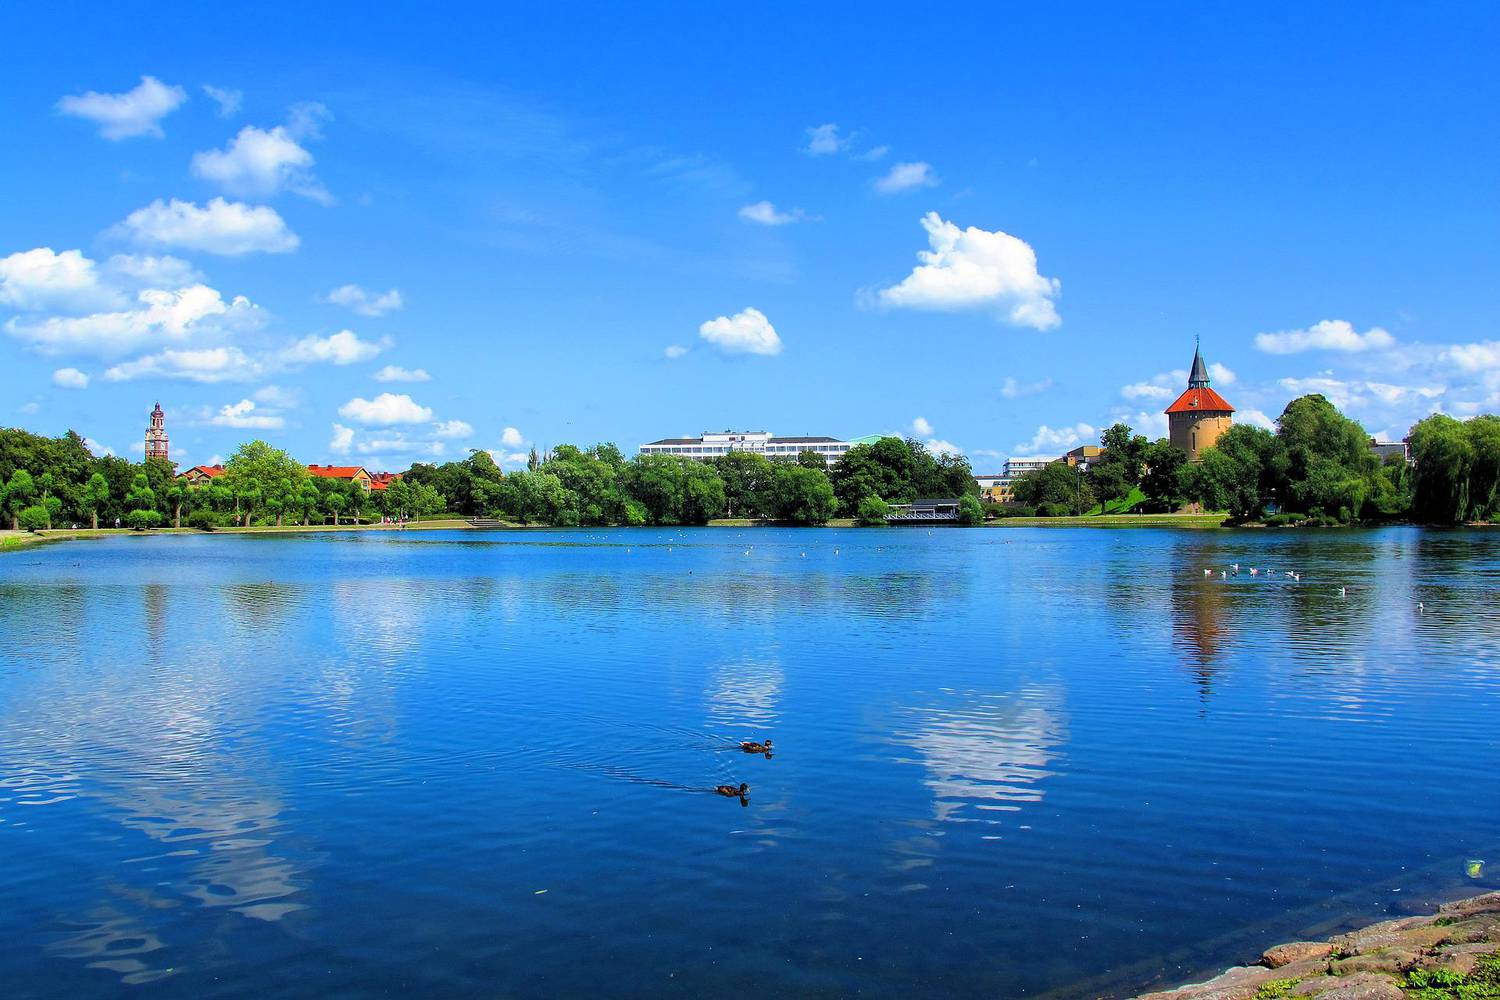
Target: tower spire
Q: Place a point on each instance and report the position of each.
(1198, 374)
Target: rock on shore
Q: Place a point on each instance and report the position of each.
(1454, 952)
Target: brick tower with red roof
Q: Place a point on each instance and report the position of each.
(1200, 415)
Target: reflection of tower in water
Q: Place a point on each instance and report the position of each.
(1197, 626)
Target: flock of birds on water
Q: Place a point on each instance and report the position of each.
(1270, 574)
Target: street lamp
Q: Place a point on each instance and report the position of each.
(1079, 469)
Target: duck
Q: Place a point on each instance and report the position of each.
(750, 746)
(731, 792)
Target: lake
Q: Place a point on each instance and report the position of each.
(1041, 762)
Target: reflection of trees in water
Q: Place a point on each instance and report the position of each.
(987, 753)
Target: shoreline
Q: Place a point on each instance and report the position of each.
(11, 541)
(1456, 945)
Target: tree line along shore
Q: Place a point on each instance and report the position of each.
(1315, 468)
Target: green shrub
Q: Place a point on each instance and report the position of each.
(1013, 510)
(1285, 520)
(141, 520)
(1054, 510)
(205, 520)
(969, 511)
(33, 518)
(871, 512)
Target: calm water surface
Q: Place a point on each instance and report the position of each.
(1008, 762)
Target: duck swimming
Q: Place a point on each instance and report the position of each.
(730, 792)
(750, 746)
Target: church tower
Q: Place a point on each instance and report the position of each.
(156, 435)
(1200, 415)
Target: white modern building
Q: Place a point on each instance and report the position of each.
(714, 444)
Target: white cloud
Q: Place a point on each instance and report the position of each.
(1153, 425)
(365, 303)
(243, 415)
(154, 272)
(766, 214)
(162, 315)
(220, 227)
(824, 140)
(259, 163)
(1013, 389)
(940, 447)
(228, 100)
(385, 410)
(511, 438)
(906, 177)
(96, 449)
(401, 444)
(747, 332)
(1050, 441)
(1221, 374)
(452, 429)
(977, 269)
(1256, 418)
(342, 348)
(921, 427)
(675, 351)
(1361, 394)
(70, 378)
(1484, 356)
(395, 373)
(135, 112)
(42, 278)
(1146, 390)
(342, 440)
(1326, 335)
(275, 395)
(208, 365)
(871, 154)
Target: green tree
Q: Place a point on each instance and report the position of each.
(34, 518)
(749, 483)
(1444, 458)
(1324, 463)
(1161, 476)
(1054, 483)
(335, 502)
(19, 491)
(803, 495)
(95, 496)
(969, 510)
(142, 519)
(1109, 482)
(256, 473)
(1236, 474)
(872, 512)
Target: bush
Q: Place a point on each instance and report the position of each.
(871, 512)
(140, 520)
(33, 518)
(969, 511)
(1009, 510)
(1284, 520)
(1054, 510)
(205, 520)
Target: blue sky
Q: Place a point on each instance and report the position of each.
(379, 236)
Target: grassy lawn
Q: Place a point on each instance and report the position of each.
(1124, 505)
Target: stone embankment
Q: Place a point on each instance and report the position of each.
(1454, 953)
